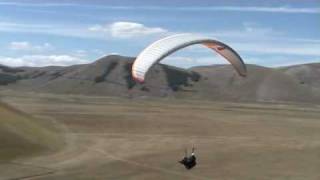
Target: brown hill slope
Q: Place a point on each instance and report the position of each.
(262, 84)
(307, 74)
(110, 76)
(22, 135)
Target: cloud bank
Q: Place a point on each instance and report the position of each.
(263, 9)
(42, 60)
(127, 29)
(27, 46)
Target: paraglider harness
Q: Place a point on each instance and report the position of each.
(189, 161)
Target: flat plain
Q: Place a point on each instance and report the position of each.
(122, 138)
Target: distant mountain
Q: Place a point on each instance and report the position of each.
(111, 76)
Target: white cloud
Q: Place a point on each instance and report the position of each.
(51, 29)
(116, 30)
(27, 46)
(130, 29)
(80, 53)
(97, 28)
(272, 9)
(252, 38)
(19, 45)
(36, 4)
(127, 29)
(42, 60)
(306, 49)
(267, 9)
(248, 31)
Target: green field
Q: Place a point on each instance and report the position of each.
(118, 138)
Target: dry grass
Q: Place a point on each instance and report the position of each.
(116, 138)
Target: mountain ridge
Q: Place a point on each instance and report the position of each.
(111, 76)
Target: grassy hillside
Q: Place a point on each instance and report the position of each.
(111, 76)
(21, 135)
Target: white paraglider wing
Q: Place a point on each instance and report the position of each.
(166, 46)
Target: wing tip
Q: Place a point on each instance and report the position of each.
(137, 79)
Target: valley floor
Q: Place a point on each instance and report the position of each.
(118, 138)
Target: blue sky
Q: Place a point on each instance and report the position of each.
(47, 32)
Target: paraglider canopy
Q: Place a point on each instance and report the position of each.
(166, 46)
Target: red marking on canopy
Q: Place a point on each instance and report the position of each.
(139, 80)
(220, 48)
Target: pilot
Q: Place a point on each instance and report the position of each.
(189, 161)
